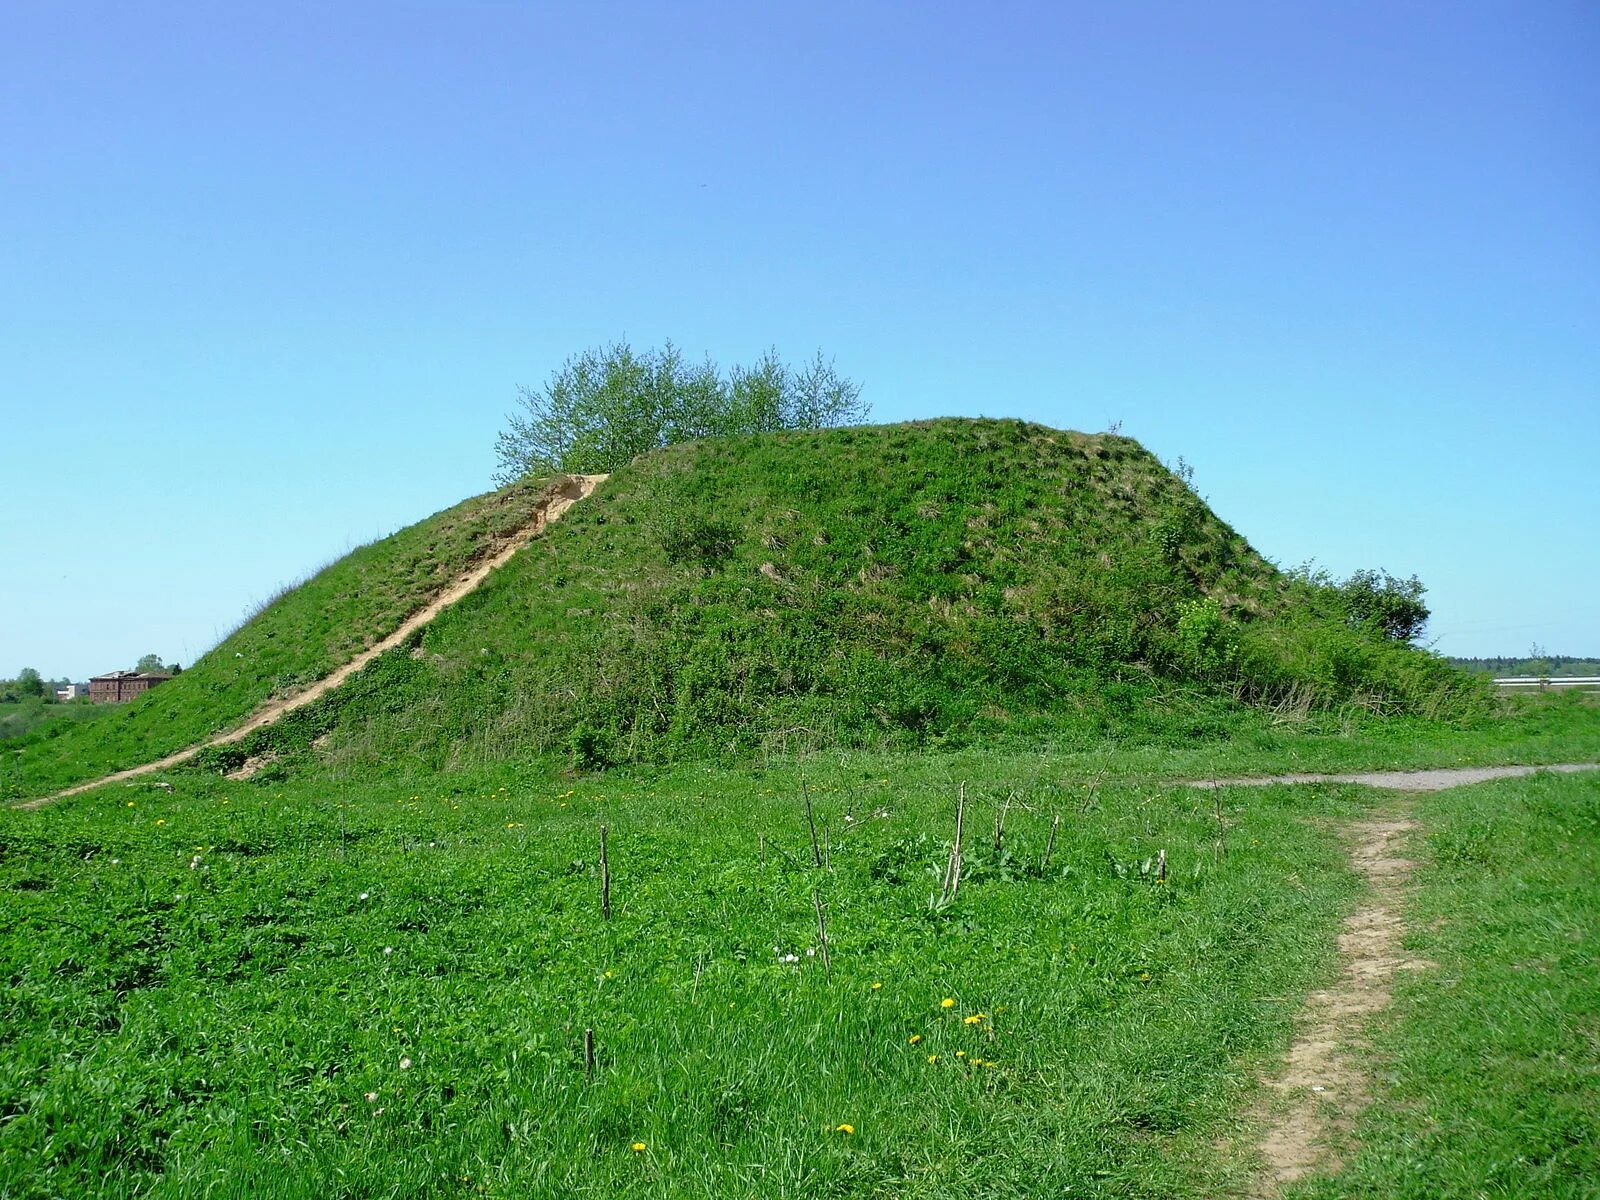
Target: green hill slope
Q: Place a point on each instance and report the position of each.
(894, 584)
(294, 639)
(891, 584)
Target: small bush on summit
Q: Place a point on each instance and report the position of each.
(610, 404)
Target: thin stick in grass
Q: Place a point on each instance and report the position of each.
(811, 821)
(822, 935)
(1050, 843)
(1000, 824)
(952, 871)
(605, 878)
(588, 1053)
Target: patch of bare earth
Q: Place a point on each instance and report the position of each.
(1310, 1106)
(572, 489)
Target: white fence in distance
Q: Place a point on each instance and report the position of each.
(1549, 681)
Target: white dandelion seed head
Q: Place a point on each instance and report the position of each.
(388, 949)
(405, 1064)
(363, 896)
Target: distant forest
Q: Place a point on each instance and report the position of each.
(1550, 666)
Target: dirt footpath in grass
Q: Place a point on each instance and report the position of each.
(1436, 780)
(568, 493)
(1323, 1086)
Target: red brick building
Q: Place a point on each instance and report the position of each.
(118, 686)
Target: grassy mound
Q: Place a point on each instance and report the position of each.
(888, 585)
(874, 586)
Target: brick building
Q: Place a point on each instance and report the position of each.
(118, 686)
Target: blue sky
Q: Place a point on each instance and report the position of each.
(271, 274)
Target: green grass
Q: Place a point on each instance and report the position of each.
(293, 640)
(37, 720)
(1490, 1070)
(206, 986)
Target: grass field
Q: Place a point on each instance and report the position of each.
(381, 988)
(270, 990)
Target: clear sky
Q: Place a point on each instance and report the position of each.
(270, 274)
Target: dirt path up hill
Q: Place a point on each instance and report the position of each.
(575, 488)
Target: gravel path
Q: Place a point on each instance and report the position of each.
(1436, 780)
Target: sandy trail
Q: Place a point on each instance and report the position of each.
(575, 488)
(1323, 1084)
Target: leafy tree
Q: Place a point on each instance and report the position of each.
(1375, 601)
(150, 662)
(1393, 607)
(610, 403)
(29, 682)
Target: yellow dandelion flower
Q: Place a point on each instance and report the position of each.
(914, 1038)
(877, 987)
(933, 1058)
(844, 1128)
(638, 1147)
(975, 1019)
(161, 820)
(947, 1003)
(1144, 976)
(961, 1053)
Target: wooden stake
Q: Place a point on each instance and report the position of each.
(1222, 841)
(761, 845)
(952, 870)
(1161, 867)
(1094, 790)
(605, 878)
(1050, 845)
(1000, 825)
(588, 1053)
(811, 820)
(822, 935)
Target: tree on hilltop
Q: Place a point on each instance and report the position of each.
(608, 404)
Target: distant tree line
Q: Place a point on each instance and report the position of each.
(1549, 666)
